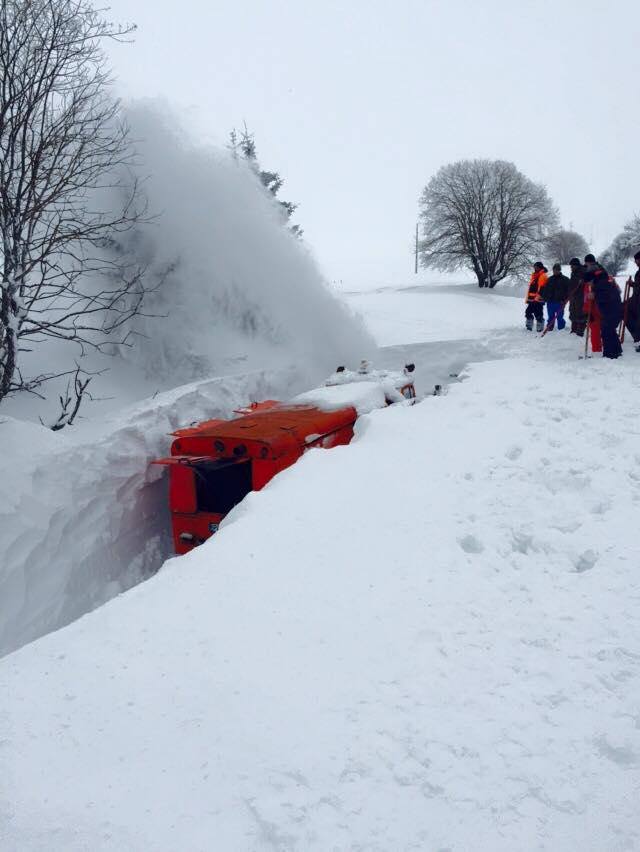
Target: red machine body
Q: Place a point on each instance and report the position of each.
(215, 464)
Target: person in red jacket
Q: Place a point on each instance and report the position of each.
(533, 299)
(604, 295)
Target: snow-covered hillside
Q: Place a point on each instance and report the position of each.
(435, 312)
(429, 639)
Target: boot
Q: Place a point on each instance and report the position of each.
(540, 325)
(529, 324)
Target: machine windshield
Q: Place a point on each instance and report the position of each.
(221, 485)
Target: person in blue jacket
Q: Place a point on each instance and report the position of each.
(555, 293)
(606, 294)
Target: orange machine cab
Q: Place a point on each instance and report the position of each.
(215, 464)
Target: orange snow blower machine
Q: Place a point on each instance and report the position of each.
(215, 464)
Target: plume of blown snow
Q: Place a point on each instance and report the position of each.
(238, 290)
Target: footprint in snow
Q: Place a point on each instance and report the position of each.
(623, 755)
(585, 561)
(513, 453)
(471, 544)
(521, 542)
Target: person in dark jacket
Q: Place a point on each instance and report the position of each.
(576, 298)
(534, 300)
(632, 305)
(555, 294)
(606, 295)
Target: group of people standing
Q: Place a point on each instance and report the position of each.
(595, 303)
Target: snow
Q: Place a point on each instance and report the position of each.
(364, 396)
(233, 291)
(428, 639)
(243, 285)
(435, 312)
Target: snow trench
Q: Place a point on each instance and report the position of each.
(83, 515)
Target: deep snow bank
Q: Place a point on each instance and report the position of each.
(428, 639)
(82, 514)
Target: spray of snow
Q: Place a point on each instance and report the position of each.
(241, 289)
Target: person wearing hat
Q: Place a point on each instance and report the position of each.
(577, 314)
(533, 299)
(605, 293)
(555, 294)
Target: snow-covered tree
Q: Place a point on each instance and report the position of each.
(563, 245)
(486, 216)
(616, 256)
(624, 246)
(63, 155)
(631, 234)
(243, 144)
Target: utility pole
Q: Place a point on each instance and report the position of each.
(416, 269)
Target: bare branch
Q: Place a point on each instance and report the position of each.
(66, 183)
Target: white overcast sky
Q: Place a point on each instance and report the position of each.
(358, 103)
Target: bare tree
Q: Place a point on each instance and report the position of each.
(65, 183)
(486, 216)
(70, 405)
(562, 246)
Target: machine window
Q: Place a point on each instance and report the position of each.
(221, 485)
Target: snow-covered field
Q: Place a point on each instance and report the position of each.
(433, 312)
(429, 639)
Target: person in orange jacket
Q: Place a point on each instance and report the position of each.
(534, 298)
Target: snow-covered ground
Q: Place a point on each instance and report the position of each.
(434, 312)
(429, 639)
